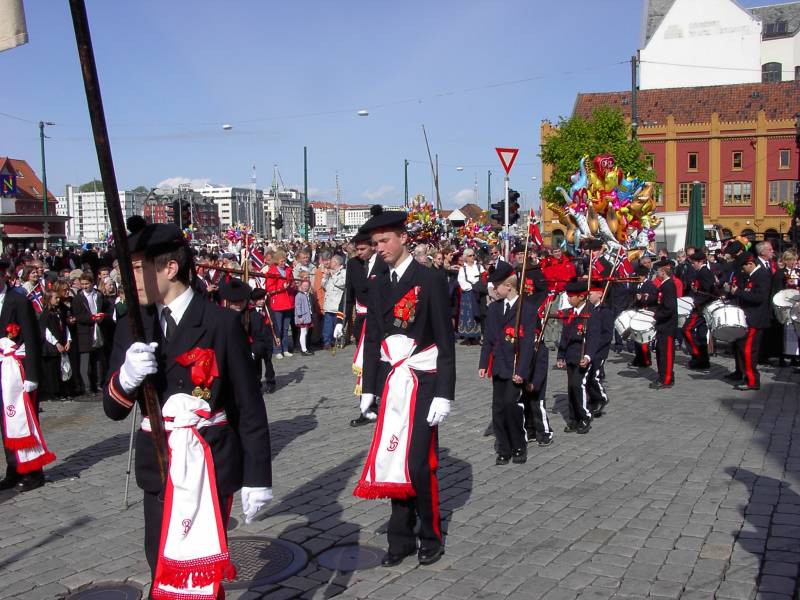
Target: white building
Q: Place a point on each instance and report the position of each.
(689, 43)
(89, 222)
(289, 204)
(237, 205)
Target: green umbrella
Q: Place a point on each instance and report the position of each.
(695, 234)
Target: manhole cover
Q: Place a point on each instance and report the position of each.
(260, 561)
(351, 558)
(107, 591)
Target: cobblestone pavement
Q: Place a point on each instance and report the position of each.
(692, 492)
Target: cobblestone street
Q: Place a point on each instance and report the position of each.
(691, 492)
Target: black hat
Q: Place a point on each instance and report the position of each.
(500, 273)
(234, 290)
(156, 239)
(380, 219)
(591, 244)
(734, 247)
(576, 288)
(135, 223)
(642, 271)
(361, 238)
(662, 263)
(697, 257)
(258, 294)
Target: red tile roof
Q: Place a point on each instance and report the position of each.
(29, 186)
(740, 102)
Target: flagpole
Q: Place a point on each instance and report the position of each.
(246, 267)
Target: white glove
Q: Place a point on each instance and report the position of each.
(29, 386)
(140, 361)
(253, 500)
(337, 330)
(366, 404)
(440, 408)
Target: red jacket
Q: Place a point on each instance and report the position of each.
(558, 273)
(280, 288)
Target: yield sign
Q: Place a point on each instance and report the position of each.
(507, 157)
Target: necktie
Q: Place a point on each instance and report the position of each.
(508, 308)
(394, 277)
(170, 323)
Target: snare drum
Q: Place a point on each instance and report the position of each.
(783, 302)
(685, 307)
(708, 312)
(622, 324)
(729, 323)
(794, 316)
(643, 326)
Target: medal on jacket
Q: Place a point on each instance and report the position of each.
(406, 308)
(202, 363)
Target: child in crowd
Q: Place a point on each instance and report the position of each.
(302, 313)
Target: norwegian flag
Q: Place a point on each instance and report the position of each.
(533, 230)
(624, 268)
(256, 259)
(35, 297)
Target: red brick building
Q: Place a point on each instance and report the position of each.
(738, 141)
(22, 218)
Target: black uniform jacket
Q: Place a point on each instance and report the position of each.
(604, 321)
(51, 320)
(83, 314)
(358, 281)
(500, 346)
(665, 307)
(18, 309)
(241, 448)
(703, 287)
(431, 325)
(259, 332)
(577, 329)
(754, 298)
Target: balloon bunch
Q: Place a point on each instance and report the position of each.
(188, 233)
(604, 204)
(236, 234)
(475, 235)
(424, 224)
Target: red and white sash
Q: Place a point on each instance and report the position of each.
(23, 434)
(358, 358)
(193, 553)
(385, 473)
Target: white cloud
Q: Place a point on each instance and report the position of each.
(462, 197)
(173, 182)
(378, 193)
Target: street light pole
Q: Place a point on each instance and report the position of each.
(44, 179)
(305, 192)
(405, 171)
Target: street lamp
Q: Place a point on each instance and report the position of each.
(363, 113)
(44, 180)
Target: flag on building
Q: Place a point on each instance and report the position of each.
(13, 31)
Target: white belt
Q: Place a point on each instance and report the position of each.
(217, 418)
(361, 309)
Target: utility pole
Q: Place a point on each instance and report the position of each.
(305, 192)
(634, 93)
(44, 182)
(506, 243)
(489, 191)
(796, 214)
(253, 198)
(405, 170)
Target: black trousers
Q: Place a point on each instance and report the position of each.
(641, 354)
(423, 462)
(576, 393)
(93, 367)
(535, 411)
(665, 357)
(268, 369)
(507, 416)
(153, 515)
(747, 349)
(594, 386)
(695, 331)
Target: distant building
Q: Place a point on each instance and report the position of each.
(237, 205)
(289, 204)
(203, 211)
(22, 218)
(90, 222)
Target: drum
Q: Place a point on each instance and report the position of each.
(729, 323)
(708, 312)
(685, 306)
(622, 324)
(783, 302)
(643, 327)
(794, 316)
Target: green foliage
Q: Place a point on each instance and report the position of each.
(141, 190)
(90, 187)
(605, 133)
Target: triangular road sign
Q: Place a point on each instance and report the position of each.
(507, 157)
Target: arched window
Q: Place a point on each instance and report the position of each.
(558, 237)
(771, 234)
(771, 71)
(726, 233)
(749, 234)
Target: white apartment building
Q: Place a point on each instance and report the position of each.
(89, 222)
(690, 43)
(237, 205)
(289, 204)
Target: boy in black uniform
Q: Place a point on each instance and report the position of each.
(409, 361)
(695, 330)
(508, 370)
(665, 306)
(261, 323)
(644, 292)
(753, 297)
(604, 320)
(199, 361)
(577, 351)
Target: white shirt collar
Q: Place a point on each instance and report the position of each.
(511, 302)
(401, 268)
(371, 262)
(178, 306)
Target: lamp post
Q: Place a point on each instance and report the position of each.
(44, 180)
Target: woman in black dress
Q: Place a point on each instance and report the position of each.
(56, 342)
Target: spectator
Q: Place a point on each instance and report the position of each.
(303, 317)
(88, 306)
(57, 342)
(280, 287)
(333, 283)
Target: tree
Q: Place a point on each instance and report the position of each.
(141, 190)
(90, 187)
(605, 133)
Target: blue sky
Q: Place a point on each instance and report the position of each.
(289, 74)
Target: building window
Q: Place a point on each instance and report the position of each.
(649, 160)
(685, 194)
(736, 163)
(784, 159)
(737, 193)
(775, 29)
(692, 166)
(771, 72)
(797, 73)
(781, 191)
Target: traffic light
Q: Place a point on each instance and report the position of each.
(513, 206)
(311, 219)
(278, 223)
(186, 214)
(500, 214)
(176, 212)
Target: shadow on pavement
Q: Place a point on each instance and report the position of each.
(295, 376)
(282, 433)
(85, 458)
(58, 533)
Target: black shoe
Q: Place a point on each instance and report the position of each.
(743, 387)
(545, 441)
(598, 412)
(489, 430)
(95, 390)
(270, 388)
(733, 376)
(700, 366)
(428, 557)
(519, 457)
(306, 353)
(657, 385)
(31, 482)
(636, 364)
(361, 420)
(571, 427)
(583, 427)
(9, 481)
(392, 560)
(501, 460)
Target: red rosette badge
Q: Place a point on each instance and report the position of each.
(202, 363)
(12, 331)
